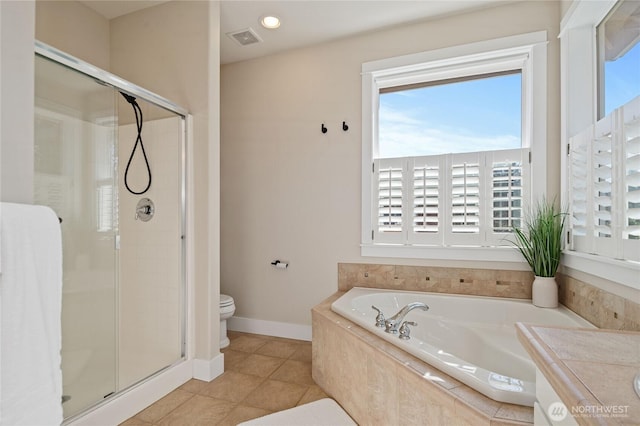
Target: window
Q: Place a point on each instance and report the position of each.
(476, 113)
(448, 141)
(601, 131)
(618, 57)
(454, 148)
(604, 170)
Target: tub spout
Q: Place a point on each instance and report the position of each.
(392, 324)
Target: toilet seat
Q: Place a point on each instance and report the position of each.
(225, 300)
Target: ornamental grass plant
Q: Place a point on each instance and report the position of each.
(540, 240)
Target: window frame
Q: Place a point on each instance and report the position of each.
(527, 52)
(579, 109)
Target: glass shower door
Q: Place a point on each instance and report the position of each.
(123, 297)
(75, 145)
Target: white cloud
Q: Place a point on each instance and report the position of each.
(402, 135)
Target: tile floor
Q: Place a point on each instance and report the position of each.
(262, 375)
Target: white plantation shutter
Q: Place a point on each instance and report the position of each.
(463, 218)
(631, 187)
(602, 181)
(390, 193)
(427, 199)
(604, 172)
(580, 189)
(454, 199)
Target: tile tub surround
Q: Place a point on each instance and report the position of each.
(589, 369)
(476, 282)
(599, 307)
(379, 384)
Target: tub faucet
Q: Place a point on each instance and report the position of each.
(392, 324)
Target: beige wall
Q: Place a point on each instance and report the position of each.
(291, 193)
(16, 101)
(564, 7)
(75, 29)
(173, 50)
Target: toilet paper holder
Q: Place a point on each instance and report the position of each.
(279, 264)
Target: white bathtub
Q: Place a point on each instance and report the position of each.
(471, 338)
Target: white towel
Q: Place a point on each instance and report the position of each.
(323, 412)
(30, 312)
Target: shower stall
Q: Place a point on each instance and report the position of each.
(110, 161)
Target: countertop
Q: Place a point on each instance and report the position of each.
(591, 370)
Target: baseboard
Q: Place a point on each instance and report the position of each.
(207, 370)
(270, 328)
(137, 398)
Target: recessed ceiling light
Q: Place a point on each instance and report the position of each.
(271, 22)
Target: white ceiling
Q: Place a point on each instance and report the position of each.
(113, 8)
(305, 22)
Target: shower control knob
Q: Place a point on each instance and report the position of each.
(145, 210)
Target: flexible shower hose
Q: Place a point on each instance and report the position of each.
(139, 120)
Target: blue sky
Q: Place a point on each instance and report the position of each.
(622, 79)
(466, 116)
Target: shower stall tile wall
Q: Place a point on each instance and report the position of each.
(150, 254)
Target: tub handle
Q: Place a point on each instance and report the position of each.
(405, 331)
(380, 320)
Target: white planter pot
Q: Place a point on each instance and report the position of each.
(545, 292)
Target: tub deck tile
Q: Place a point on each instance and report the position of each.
(471, 404)
(515, 412)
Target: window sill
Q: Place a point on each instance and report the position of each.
(462, 253)
(619, 271)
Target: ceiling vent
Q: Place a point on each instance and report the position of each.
(245, 37)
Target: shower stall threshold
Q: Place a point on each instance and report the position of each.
(137, 397)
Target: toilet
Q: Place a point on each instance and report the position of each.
(227, 308)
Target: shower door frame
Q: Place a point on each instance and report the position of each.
(180, 369)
